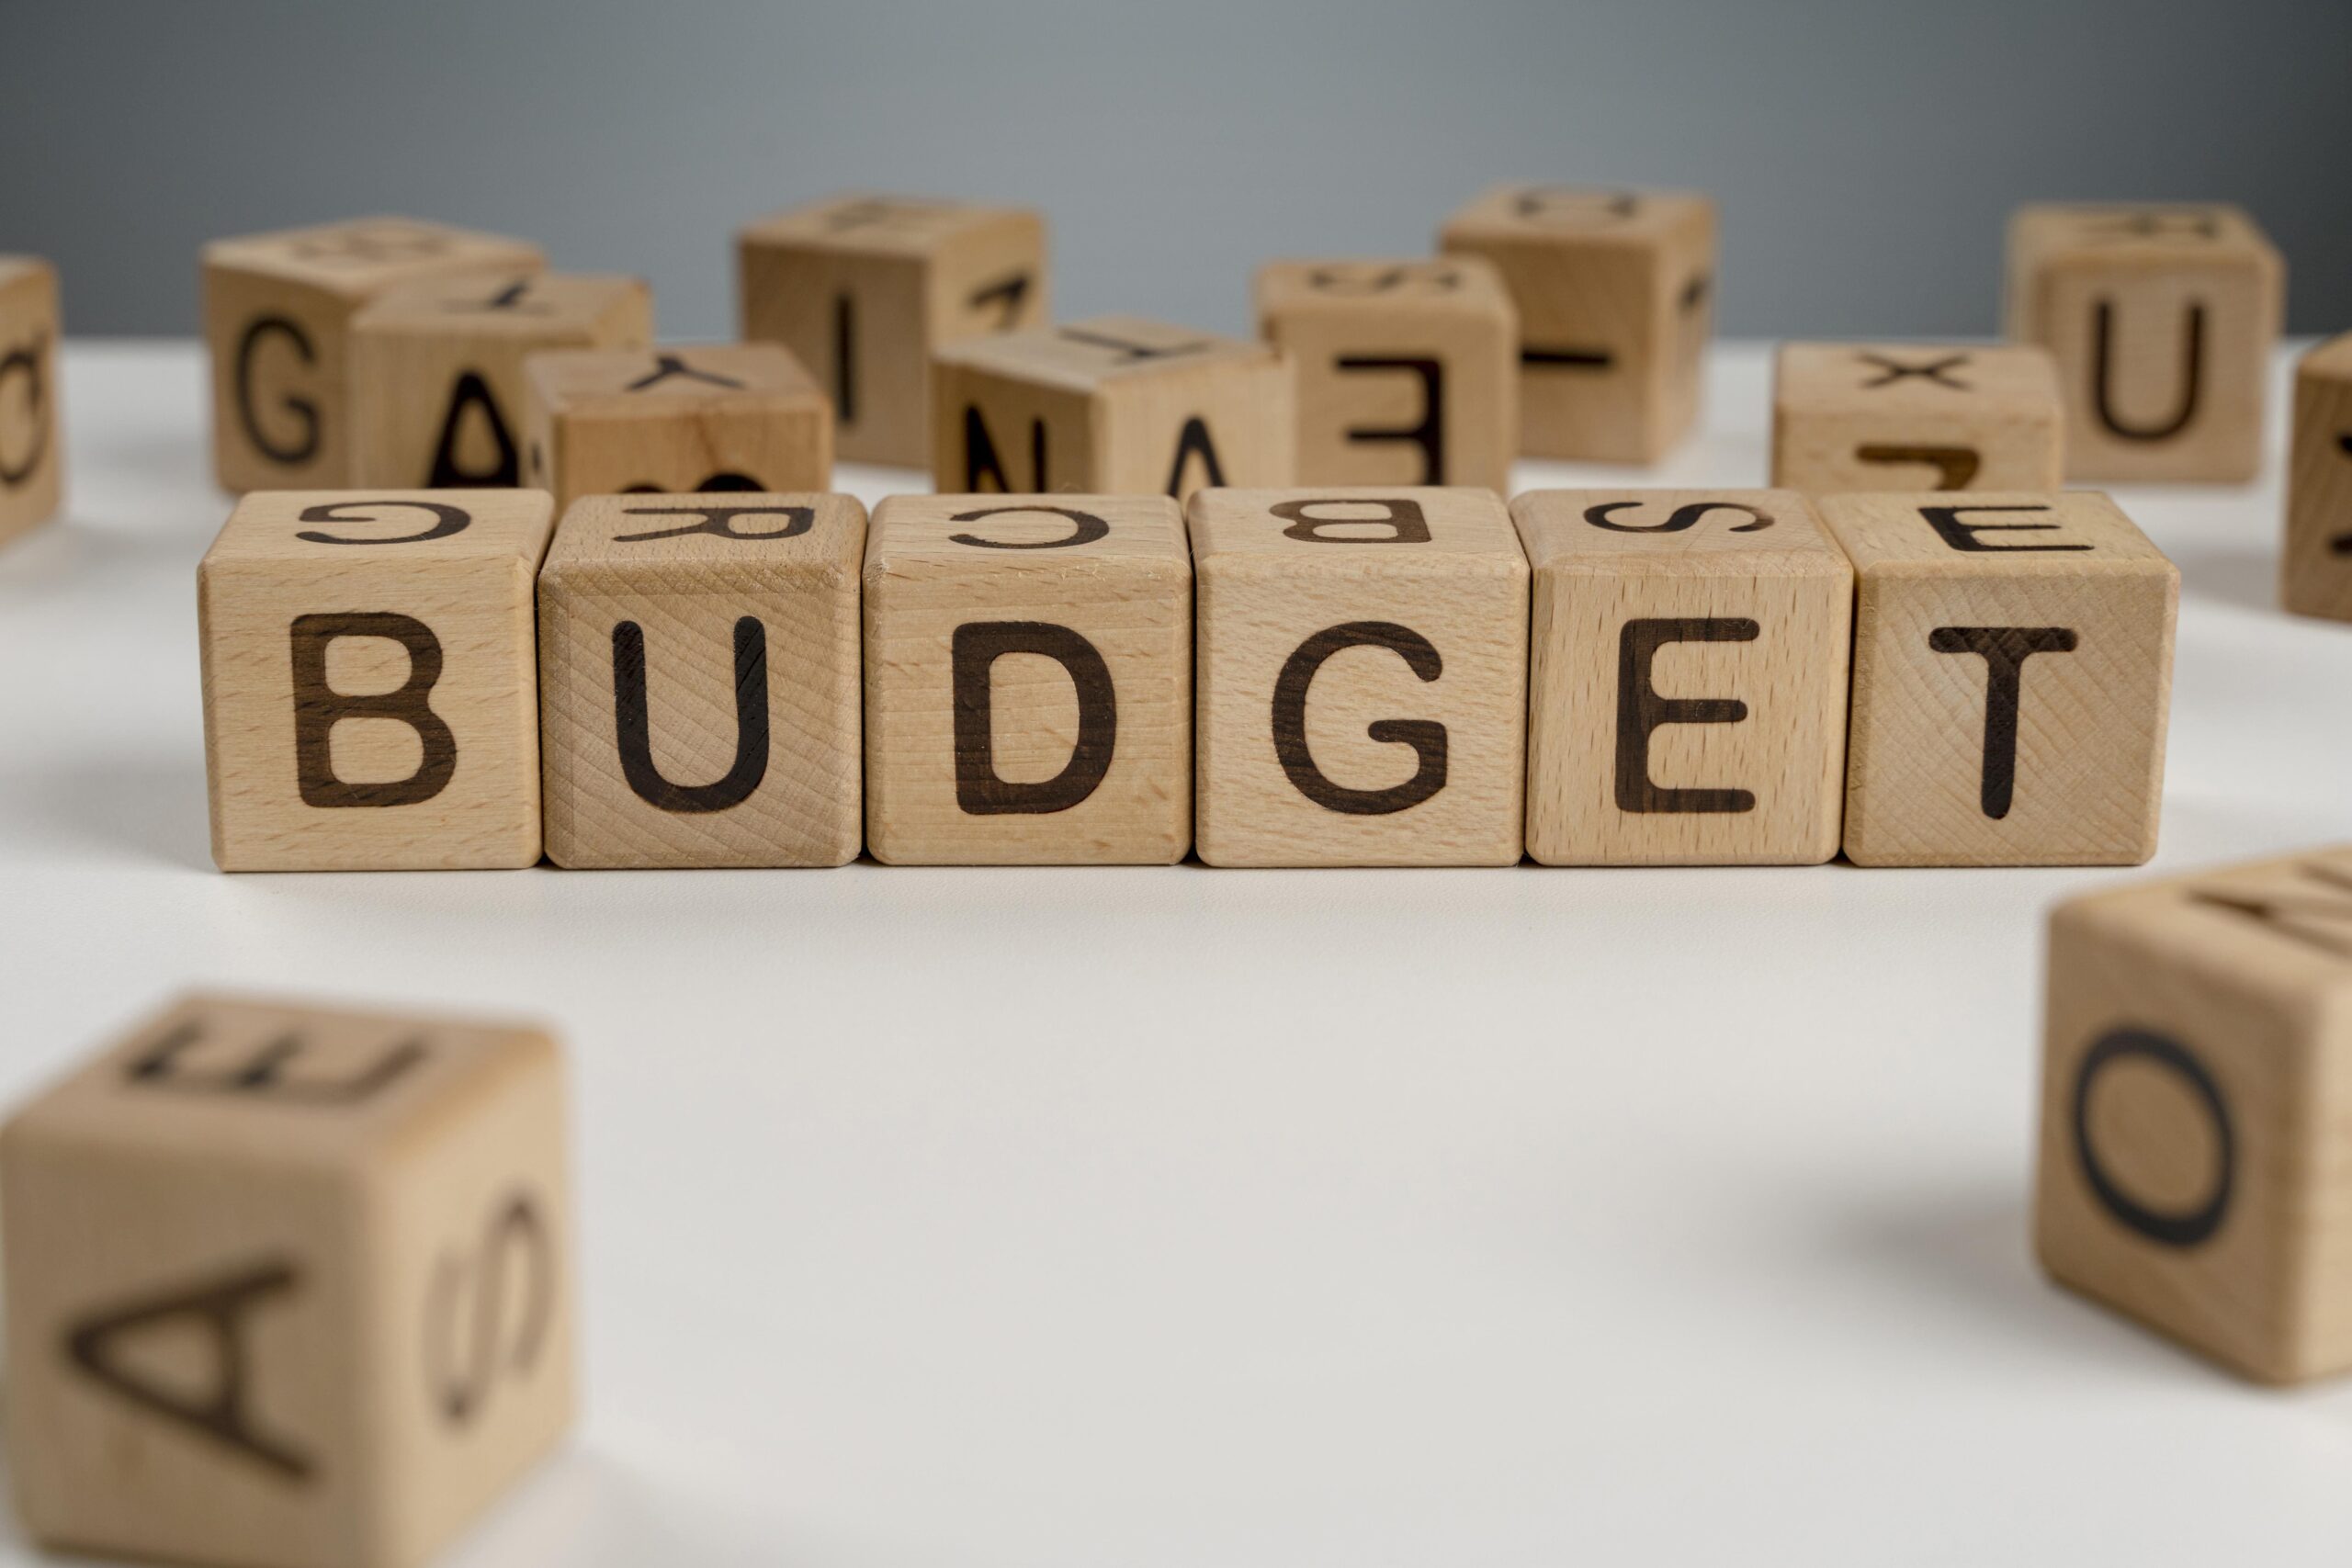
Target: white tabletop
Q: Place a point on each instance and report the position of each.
(1074, 1218)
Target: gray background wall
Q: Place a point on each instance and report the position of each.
(1864, 154)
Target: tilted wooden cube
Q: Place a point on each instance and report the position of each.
(278, 312)
(1915, 416)
(864, 289)
(1408, 370)
(286, 1287)
(370, 697)
(2196, 1111)
(707, 419)
(1113, 405)
(1028, 681)
(699, 682)
(2162, 320)
(2315, 572)
(32, 453)
(437, 394)
(1615, 296)
(1360, 677)
(1688, 688)
(2012, 679)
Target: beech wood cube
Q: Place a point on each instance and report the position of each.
(702, 419)
(1915, 416)
(2315, 570)
(32, 452)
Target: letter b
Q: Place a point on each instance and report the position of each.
(319, 707)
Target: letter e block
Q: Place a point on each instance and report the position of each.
(1689, 681)
(32, 458)
(2316, 570)
(2196, 1111)
(698, 681)
(371, 697)
(1028, 681)
(1915, 416)
(2012, 677)
(1360, 677)
(287, 1288)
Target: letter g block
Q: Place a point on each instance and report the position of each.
(370, 700)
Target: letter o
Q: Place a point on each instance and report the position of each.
(2182, 1228)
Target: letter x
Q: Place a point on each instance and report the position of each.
(1931, 371)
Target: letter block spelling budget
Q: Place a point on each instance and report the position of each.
(32, 455)
(1687, 703)
(370, 695)
(1614, 290)
(1028, 681)
(1360, 677)
(1890, 416)
(698, 669)
(287, 1288)
(1111, 406)
(438, 387)
(2162, 320)
(2196, 1111)
(2315, 570)
(707, 419)
(1408, 370)
(278, 312)
(2012, 677)
(864, 289)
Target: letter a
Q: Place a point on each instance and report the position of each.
(472, 391)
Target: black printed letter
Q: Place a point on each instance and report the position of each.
(975, 648)
(1640, 711)
(634, 728)
(1426, 737)
(2005, 650)
(318, 707)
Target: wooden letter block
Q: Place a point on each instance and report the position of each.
(729, 417)
(1615, 291)
(1360, 677)
(1029, 680)
(2162, 320)
(1689, 684)
(1408, 370)
(2012, 677)
(371, 697)
(2196, 1111)
(864, 290)
(32, 455)
(1915, 416)
(2316, 570)
(278, 312)
(698, 681)
(287, 1288)
(437, 369)
(1111, 406)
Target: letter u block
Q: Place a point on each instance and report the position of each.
(698, 678)
(1028, 681)
(32, 456)
(1689, 682)
(1360, 677)
(2315, 569)
(2196, 1111)
(370, 695)
(2162, 320)
(285, 1287)
(2012, 679)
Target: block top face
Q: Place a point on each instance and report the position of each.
(655, 382)
(1355, 529)
(350, 527)
(1464, 284)
(2332, 358)
(1910, 378)
(361, 256)
(970, 532)
(238, 1077)
(1081, 355)
(2285, 925)
(739, 535)
(1773, 532)
(2136, 233)
(1596, 215)
(521, 305)
(1944, 533)
(15, 270)
(870, 224)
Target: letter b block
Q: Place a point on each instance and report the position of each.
(2316, 570)
(287, 1288)
(1360, 678)
(2012, 677)
(370, 701)
(2196, 1111)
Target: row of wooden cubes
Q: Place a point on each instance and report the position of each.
(1338, 677)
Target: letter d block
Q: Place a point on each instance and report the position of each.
(2196, 1111)
(370, 699)
(2316, 568)
(1689, 678)
(1028, 681)
(698, 681)
(1361, 678)
(287, 1288)
(2012, 677)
